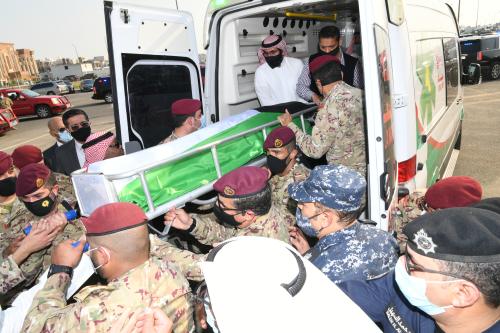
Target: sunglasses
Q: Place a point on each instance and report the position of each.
(62, 129)
(115, 145)
(83, 124)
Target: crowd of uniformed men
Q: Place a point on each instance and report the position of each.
(439, 271)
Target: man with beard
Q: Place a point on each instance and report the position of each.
(276, 77)
(37, 189)
(70, 156)
(243, 208)
(329, 43)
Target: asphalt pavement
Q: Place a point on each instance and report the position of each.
(479, 156)
(34, 131)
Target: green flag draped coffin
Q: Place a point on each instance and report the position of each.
(168, 178)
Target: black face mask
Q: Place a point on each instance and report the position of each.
(41, 207)
(8, 186)
(81, 134)
(274, 61)
(333, 52)
(224, 218)
(276, 165)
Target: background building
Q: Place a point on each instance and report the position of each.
(60, 71)
(27, 63)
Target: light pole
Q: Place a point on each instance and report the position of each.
(76, 51)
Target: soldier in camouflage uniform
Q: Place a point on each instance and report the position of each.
(9, 204)
(285, 169)
(330, 201)
(27, 154)
(451, 192)
(41, 235)
(243, 208)
(137, 278)
(37, 189)
(339, 129)
(187, 117)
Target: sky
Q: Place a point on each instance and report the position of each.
(63, 28)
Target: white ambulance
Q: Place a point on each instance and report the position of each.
(413, 98)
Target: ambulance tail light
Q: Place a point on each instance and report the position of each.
(479, 56)
(407, 169)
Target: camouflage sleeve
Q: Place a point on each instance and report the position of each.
(186, 261)
(322, 136)
(49, 308)
(209, 232)
(180, 312)
(10, 274)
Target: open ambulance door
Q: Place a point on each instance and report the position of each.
(154, 62)
(382, 165)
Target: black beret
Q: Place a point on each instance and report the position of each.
(492, 204)
(468, 235)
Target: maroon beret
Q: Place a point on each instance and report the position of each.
(186, 107)
(5, 162)
(242, 182)
(456, 191)
(320, 61)
(25, 155)
(31, 178)
(114, 217)
(279, 137)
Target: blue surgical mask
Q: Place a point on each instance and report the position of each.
(414, 288)
(203, 121)
(304, 224)
(65, 137)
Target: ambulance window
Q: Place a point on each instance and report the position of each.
(388, 182)
(152, 89)
(452, 69)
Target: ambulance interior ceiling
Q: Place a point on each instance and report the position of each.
(242, 33)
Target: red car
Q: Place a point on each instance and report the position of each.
(7, 120)
(29, 103)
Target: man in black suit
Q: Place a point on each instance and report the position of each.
(70, 156)
(59, 132)
(329, 43)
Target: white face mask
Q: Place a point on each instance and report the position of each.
(414, 289)
(93, 265)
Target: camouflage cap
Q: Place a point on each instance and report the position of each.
(279, 137)
(335, 186)
(31, 178)
(5, 162)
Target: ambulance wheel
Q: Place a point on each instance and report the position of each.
(495, 71)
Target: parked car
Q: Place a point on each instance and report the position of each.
(102, 89)
(50, 88)
(71, 78)
(86, 85)
(28, 102)
(482, 50)
(71, 88)
(8, 120)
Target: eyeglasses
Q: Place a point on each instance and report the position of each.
(410, 266)
(62, 129)
(83, 124)
(115, 145)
